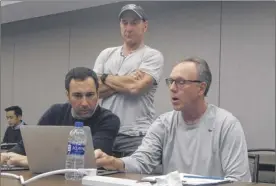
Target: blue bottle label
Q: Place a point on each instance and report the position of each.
(75, 149)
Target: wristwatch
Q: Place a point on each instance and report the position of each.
(103, 78)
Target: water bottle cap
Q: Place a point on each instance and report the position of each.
(78, 124)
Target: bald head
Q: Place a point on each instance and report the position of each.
(187, 70)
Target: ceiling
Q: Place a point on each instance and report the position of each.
(18, 10)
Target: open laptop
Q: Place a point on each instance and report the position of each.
(46, 148)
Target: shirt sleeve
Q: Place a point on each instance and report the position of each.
(18, 148)
(153, 64)
(105, 136)
(234, 155)
(149, 154)
(99, 63)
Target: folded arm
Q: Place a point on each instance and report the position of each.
(144, 77)
(130, 84)
(104, 90)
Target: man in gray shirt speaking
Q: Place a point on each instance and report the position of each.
(129, 76)
(195, 138)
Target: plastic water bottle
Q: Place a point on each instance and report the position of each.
(76, 150)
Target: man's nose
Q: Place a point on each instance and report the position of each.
(173, 87)
(84, 101)
(128, 27)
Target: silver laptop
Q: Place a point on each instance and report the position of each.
(46, 148)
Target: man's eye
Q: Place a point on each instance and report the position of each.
(89, 95)
(181, 82)
(133, 22)
(77, 95)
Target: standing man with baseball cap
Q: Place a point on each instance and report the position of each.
(129, 76)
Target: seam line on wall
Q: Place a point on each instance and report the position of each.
(219, 71)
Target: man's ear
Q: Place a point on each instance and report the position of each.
(67, 94)
(146, 26)
(202, 87)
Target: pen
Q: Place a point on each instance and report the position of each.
(204, 177)
(153, 181)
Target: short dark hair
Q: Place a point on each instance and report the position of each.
(17, 110)
(80, 73)
(203, 70)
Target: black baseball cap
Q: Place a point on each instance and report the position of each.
(136, 9)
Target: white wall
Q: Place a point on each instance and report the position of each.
(248, 68)
(236, 38)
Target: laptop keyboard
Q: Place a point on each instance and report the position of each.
(12, 168)
(103, 172)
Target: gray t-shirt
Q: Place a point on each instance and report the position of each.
(136, 112)
(215, 146)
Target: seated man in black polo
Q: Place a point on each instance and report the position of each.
(14, 118)
(81, 86)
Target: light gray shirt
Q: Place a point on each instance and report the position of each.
(215, 146)
(136, 112)
(17, 127)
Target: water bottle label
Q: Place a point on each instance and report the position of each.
(75, 149)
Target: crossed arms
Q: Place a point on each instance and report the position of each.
(133, 84)
(139, 81)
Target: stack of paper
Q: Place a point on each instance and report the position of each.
(201, 180)
(191, 179)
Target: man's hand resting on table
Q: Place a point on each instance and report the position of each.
(102, 160)
(108, 162)
(11, 158)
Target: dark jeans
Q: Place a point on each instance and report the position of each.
(125, 145)
(121, 154)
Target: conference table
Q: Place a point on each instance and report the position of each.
(58, 180)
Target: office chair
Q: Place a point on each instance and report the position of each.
(254, 160)
(264, 167)
(261, 150)
(265, 170)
